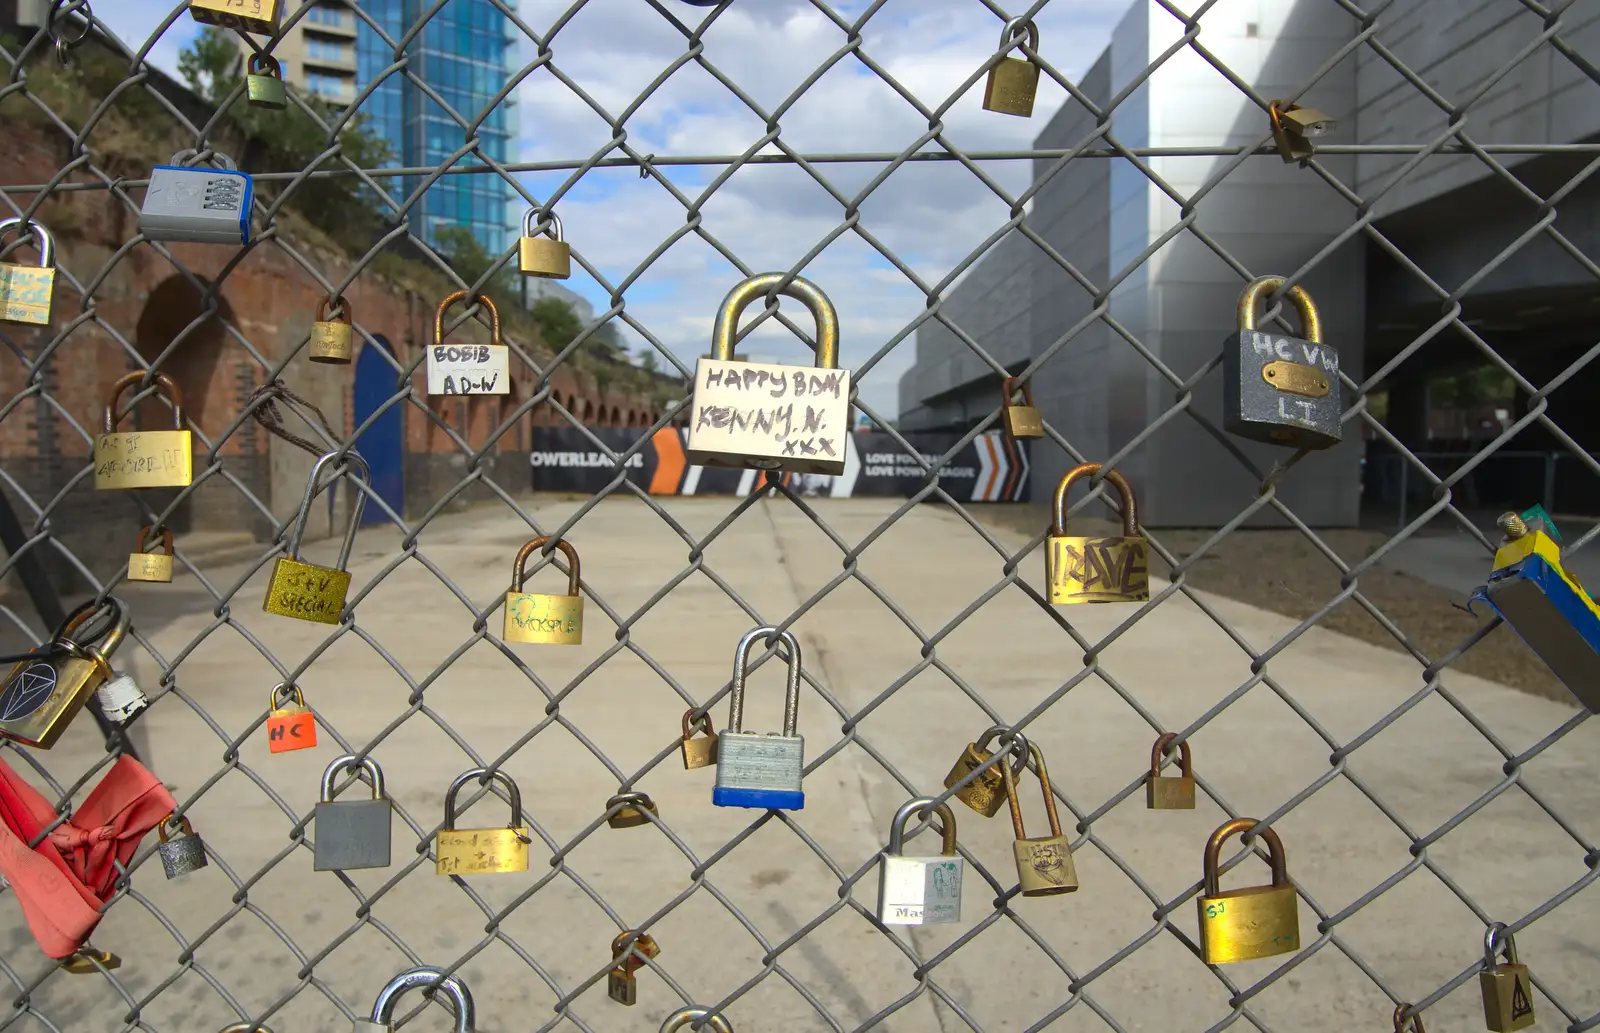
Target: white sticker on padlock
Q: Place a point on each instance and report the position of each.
(469, 369)
(121, 698)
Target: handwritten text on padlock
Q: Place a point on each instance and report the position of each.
(1293, 350)
(469, 369)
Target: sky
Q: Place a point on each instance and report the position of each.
(931, 215)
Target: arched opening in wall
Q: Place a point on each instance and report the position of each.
(382, 445)
(615, 419)
(588, 414)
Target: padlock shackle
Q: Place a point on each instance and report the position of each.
(357, 464)
(791, 696)
(102, 648)
(142, 544)
(417, 979)
(1015, 29)
(1130, 507)
(264, 64)
(222, 160)
(451, 299)
(679, 1019)
(1255, 292)
(802, 290)
(1009, 388)
(1044, 784)
(246, 1027)
(519, 576)
(1159, 750)
(283, 692)
(342, 316)
(1213, 855)
(482, 775)
(1497, 940)
(162, 383)
(638, 801)
(897, 825)
(182, 825)
(1018, 745)
(635, 953)
(1404, 1016)
(42, 240)
(702, 721)
(348, 762)
(532, 216)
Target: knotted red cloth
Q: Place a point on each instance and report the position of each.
(64, 881)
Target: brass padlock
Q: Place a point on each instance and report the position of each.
(246, 1027)
(701, 752)
(1164, 792)
(258, 16)
(1022, 421)
(764, 416)
(1293, 128)
(1255, 922)
(1014, 81)
(546, 255)
(86, 961)
(45, 691)
(1044, 865)
(481, 851)
(468, 369)
(1096, 570)
(1507, 987)
(264, 83)
(552, 620)
(143, 458)
(306, 591)
(1406, 1020)
(629, 810)
(332, 337)
(628, 958)
(27, 290)
(151, 566)
(986, 793)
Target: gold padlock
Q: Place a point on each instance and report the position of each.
(1044, 865)
(264, 83)
(306, 591)
(1255, 922)
(332, 337)
(554, 620)
(1164, 792)
(1014, 81)
(151, 566)
(143, 458)
(630, 810)
(986, 793)
(26, 290)
(258, 16)
(45, 690)
(545, 255)
(481, 851)
(1022, 421)
(1406, 1020)
(698, 752)
(86, 961)
(1096, 570)
(1507, 987)
(621, 986)
(1293, 128)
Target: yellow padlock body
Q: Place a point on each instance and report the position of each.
(1045, 866)
(149, 566)
(1241, 925)
(631, 817)
(1167, 793)
(481, 851)
(1534, 543)
(306, 591)
(25, 293)
(763, 416)
(41, 697)
(1096, 570)
(331, 342)
(985, 794)
(550, 620)
(1024, 421)
(1507, 998)
(143, 459)
(1012, 86)
(258, 16)
(544, 257)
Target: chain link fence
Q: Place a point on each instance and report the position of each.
(764, 918)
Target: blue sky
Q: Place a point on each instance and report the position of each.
(930, 214)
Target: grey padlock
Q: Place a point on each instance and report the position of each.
(352, 833)
(203, 205)
(755, 770)
(383, 1008)
(181, 852)
(1279, 389)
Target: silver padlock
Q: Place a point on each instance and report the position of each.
(352, 833)
(382, 1020)
(183, 852)
(1280, 389)
(121, 698)
(202, 205)
(920, 890)
(682, 1017)
(755, 770)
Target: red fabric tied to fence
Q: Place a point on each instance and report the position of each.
(64, 881)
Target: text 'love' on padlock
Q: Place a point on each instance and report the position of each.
(143, 458)
(45, 690)
(151, 566)
(306, 591)
(481, 851)
(555, 620)
(290, 723)
(1044, 865)
(1254, 922)
(986, 793)
(26, 291)
(1096, 570)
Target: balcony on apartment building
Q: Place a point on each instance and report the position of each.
(330, 20)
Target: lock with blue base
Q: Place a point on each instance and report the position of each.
(1545, 605)
(756, 770)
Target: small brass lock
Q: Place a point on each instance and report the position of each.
(1293, 129)
(1507, 987)
(86, 961)
(630, 810)
(45, 691)
(332, 337)
(1022, 421)
(290, 723)
(151, 566)
(628, 958)
(1255, 922)
(986, 793)
(1096, 570)
(481, 851)
(698, 752)
(306, 591)
(1044, 865)
(257, 16)
(1164, 792)
(26, 291)
(143, 458)
(264, 83)
(1406, 1020)
(1014, 82)
(546, 255)
(555, 620)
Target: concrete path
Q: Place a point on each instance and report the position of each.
(1176, 663)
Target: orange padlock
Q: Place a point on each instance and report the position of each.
(291, 726)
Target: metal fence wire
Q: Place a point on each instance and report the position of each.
(258, 939)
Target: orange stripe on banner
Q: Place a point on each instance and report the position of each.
(987, 442)
(1013, 449)
(670, 462)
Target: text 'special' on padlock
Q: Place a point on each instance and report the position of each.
(628, 958)
(755, 770)
(332, 336)
(546, 255)
(290, 723)
(421, 978)
(986, 793)
(1096, 570)
(629, 810)
(1044, 865)
(1506, 985)
(264, 83)
(553, 620)
(45, 690)
(1014, 82)
(306, 591)
(143, 458)
(1254, 922)
(151, 566)
(698, 751)
(26, 290)
(1167, 792)
(197, 204)
(920, 890)
(481, 851)
(765, 416)
(352, 833)
(258, 16)
(1022, 421)
(181, 850)
(1279, 389)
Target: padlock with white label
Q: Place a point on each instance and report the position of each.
(468, 369)
(121, 698)
(199, 204)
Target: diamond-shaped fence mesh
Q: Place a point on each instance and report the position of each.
(1416, 806)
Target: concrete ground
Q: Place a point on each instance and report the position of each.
(1175, 663)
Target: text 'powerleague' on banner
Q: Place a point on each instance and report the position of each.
(990, 468)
